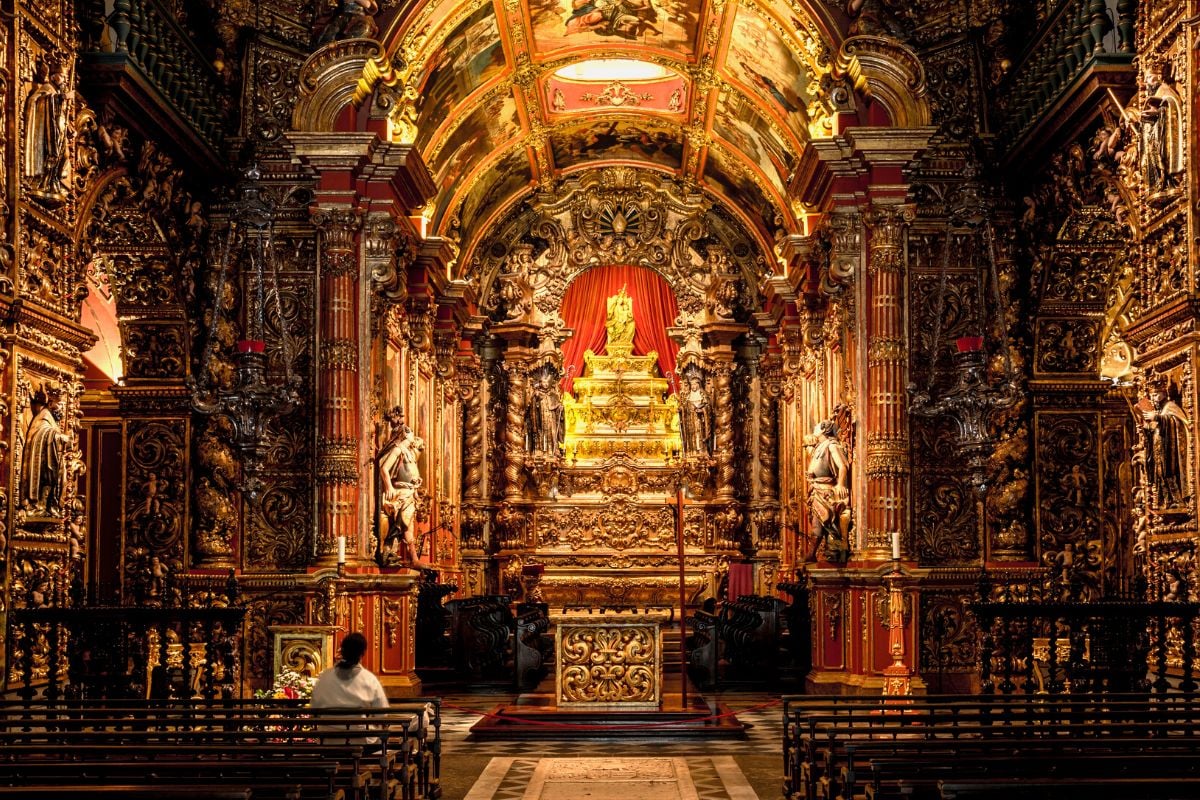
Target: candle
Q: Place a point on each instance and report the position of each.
(969, 344)
(896, 545)
(341, 549)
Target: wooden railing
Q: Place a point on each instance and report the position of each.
(145, 36)
(1046, 638)
(183, 647)
(1075, 36)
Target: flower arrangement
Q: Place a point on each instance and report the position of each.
(288, 685)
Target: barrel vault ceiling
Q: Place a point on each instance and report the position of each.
(515, 95)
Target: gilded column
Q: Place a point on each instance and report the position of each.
(337, 382)
(471, 388)
(887, 377)
(721, 370)
(514, 428)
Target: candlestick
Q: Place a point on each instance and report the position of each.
(341, 550)
(895, 545)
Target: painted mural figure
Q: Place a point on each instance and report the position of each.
(43, 465)
(1166, 426)
(829, 493)
(628, 19)
(401, 478)
(695, 425)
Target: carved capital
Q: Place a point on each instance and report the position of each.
(388, 252)
(886, 224)
(338, 228)
(845, 238)
(418, 324)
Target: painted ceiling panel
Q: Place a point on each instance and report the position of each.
(666, 93)
(472, 54)
(506, 177)
(559, 25)
(765, 64)
(730, 178)
(747, 131)
(618, 139)
(494, 123)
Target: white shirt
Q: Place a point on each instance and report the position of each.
(355, 687)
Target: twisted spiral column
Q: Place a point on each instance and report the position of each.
(722, 400)
(514, 430)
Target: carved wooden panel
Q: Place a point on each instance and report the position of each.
(1068, 487)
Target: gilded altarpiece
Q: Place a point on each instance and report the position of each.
(1164, 178)
(596, 518)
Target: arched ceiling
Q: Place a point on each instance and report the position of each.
(512, 95)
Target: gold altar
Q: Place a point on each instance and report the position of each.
(621, 402)
(609, 661)
(602, 521)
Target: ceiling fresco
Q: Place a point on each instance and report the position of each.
(515, 94)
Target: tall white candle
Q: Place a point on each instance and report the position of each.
(341, 549)
(896, 545)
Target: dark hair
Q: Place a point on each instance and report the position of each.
(828, 427)
(353, 647)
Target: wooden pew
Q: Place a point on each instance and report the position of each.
(917, 779)
(120, 792)
(1074, 789)
(830, 742)
(409, 735)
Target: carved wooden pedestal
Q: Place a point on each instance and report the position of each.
(609, 661)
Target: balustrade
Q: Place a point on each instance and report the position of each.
(1047, 637)
(1073, 36)
(146, 36)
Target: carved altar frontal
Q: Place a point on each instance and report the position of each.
(611, 661)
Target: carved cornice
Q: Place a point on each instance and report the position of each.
(334, 76)
(47, 322)
(888, 72)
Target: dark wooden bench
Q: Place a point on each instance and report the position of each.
(1073, 789)
(408, 733)
(918, 779)
(830, 743)
(120, 792)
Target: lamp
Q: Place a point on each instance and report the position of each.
(254, 397)
(974, 397)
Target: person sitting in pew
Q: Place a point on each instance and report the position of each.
(348, 684)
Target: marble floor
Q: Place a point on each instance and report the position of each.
(609, 768)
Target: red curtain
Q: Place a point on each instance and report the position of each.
(584, 309)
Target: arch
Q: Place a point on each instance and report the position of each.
(335, 76)
(890, 73)
(692, 241)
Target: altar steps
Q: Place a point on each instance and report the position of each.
(534, 716)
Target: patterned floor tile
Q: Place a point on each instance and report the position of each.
(695, 778)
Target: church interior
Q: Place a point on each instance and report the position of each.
(662, 387)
